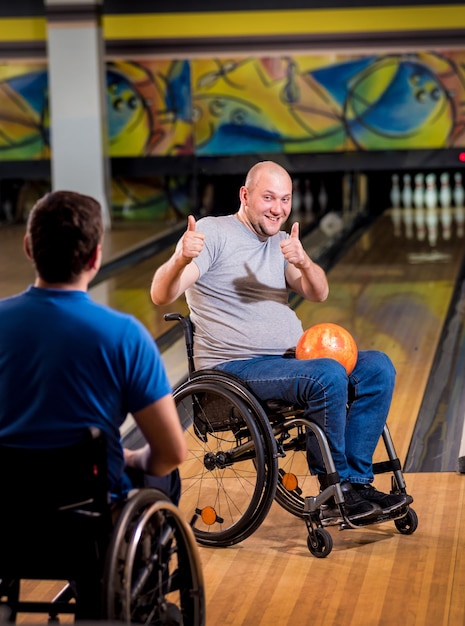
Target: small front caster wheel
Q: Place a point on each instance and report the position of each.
(319, 542)
(408, 524)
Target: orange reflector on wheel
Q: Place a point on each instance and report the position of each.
(208, 515)
(289, 482)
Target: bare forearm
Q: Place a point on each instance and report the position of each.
(166, 283)
(166, 446)
(142, 459)
(315, 283)
(172, 279)
(303, 275)
(310, 282)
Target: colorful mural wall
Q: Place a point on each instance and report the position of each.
(326, 104)
(299, 104)
(231, 106)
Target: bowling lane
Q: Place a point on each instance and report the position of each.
(392, 290)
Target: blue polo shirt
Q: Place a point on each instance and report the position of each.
(67, 363)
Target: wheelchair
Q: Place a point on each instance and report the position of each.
(244, 454)
(135, 562)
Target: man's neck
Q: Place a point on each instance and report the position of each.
(80, 285)
(244, 220)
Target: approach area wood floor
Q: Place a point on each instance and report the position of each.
(392, 291)
(372, 577)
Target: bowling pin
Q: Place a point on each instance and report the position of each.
(459, 193)
(445, 195)
(407, 194)
(431, 219)
(395, 191)
(408, 222)
(459, 215)
(396, 216)
(420, 223)
(431, 194)
(446, 222)
(418, 192)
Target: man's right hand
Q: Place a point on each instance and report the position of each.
(192, 241)
(178, 273)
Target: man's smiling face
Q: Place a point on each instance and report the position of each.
(266, 202)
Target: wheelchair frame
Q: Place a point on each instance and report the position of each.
(244, 453)
(142, 568)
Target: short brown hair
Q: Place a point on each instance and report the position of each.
(63, 230)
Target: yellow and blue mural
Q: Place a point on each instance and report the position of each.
(148, 109)
(322, 103)
(329, 103)
(299, 104)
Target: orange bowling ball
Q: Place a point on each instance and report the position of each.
(330, 341)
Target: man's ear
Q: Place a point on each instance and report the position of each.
(96, 258)
(243, 195)
(27, 247)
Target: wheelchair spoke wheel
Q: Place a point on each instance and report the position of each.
(153, 573)
(229, 477)
(294, 479)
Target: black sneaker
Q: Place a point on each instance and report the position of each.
(356, 507)
(388, 502)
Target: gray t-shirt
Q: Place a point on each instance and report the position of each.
(239, 305)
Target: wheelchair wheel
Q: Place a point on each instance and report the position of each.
(320, 543)
(294, 478)
(229, 478)
(408, 524)
(152, 572)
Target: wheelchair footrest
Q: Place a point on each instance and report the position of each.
(385, 517)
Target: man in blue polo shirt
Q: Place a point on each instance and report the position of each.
(67, 363)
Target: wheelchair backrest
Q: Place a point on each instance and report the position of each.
(55, 507)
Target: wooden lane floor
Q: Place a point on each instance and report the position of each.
(393, 294)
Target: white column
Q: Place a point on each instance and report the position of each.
(77, 87)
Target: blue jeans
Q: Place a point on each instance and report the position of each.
(352, 410)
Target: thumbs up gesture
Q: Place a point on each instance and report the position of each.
(295, 231)
(292, 248)
(191, 243)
